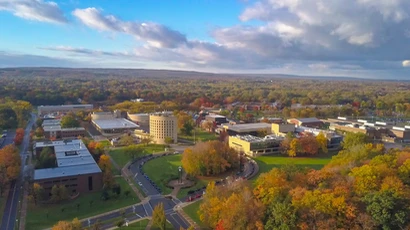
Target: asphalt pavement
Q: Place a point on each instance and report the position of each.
(9, 139)
(10, 211)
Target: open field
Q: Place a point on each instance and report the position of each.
(266, 163)
(168, 166)
(44, 216)
(121, 158)
(140, 225)
(200, 135)
(192, 211)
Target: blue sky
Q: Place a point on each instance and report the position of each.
(357, 38)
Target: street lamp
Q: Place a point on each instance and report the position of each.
(180, 174)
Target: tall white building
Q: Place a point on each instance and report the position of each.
(163, 125)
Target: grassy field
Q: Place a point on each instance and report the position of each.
(192, 211)
(199, 184)
(140, 225)
(200, 135)
(266, 163)
(37, 215)
(119, 156)
(105, 143)
(160, 170)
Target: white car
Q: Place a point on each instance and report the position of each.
(140, 184)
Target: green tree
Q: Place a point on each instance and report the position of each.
(58, 193)
(388, 209)
(353, 139)
(126, 140)
(69, 121)
(47, 159)
(133, 151)
(169, 140)
(158, 217)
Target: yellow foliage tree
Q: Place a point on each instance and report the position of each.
(322, 142)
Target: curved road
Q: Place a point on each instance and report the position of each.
(10, 211)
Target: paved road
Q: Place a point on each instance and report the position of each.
(9, 139)
(10, 211)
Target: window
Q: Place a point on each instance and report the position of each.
(90, 183)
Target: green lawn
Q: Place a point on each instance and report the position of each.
(200, 135)
(140, 225)
(37, 215)
(266, 163)
(160, 170)
(192, 211)
(119, 156)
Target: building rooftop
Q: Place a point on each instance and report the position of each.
(254, 139)
(215, 116)
(66, 106)
(308, 120)
(116, 123)
(73, 158)
(52, 122)
(248, 127)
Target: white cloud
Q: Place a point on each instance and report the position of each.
(406, 63)
(153, 33)
(36, 10)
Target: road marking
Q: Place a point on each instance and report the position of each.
(138, 215)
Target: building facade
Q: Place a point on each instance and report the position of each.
(75, 168)
(163, 125)
(255, 146)
(46, 109)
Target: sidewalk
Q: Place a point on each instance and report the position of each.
(23, 212)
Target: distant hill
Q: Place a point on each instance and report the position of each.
(88, 73)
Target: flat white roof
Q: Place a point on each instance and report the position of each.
(116, 123)
(249, 127)
(73, 158)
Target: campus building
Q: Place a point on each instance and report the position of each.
(109, 124)
(311, 122)
(75, 167)
(247, 129)
(282, 129)
(53, 130)
(255, 146)
(48, 109)
(163, 125)
(216, 119)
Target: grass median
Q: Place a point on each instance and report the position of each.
(45, 216)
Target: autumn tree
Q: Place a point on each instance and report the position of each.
(75, 224)
(158, 216)
(231, 207)
(295, 148)
(185, 123)
(209, 158)
(105, 165)
(309, 144)
(96, 149)
(39, 132)
(18, 139)
(10, 162)
(322, 142)
(146, 139)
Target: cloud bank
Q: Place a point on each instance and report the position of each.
(35, 10)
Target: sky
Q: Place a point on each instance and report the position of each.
(353, 38)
